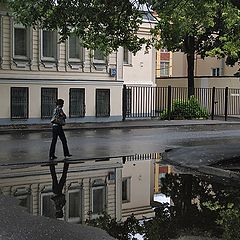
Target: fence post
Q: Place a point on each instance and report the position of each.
(124, 102)
(169, 101)
(213, 103)
(226, 103)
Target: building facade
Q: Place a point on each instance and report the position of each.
(171, 69)
(36, 69)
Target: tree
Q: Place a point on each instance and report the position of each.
(204, 27)
(100, 24)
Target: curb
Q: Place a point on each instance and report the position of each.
(113, 125)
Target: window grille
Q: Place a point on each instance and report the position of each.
(19, 103)
(102, 102)
(48, 101)
(77, 102)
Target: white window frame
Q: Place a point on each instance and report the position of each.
(164, 71)
(103, 187)
(128, 61)
(81, 52)
(98, 61)
(54, 46)
(21, 57)
(42, 195)
(24, 193)
(75, 219)
(128, 183)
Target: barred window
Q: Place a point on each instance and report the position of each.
(77, 102)
(48, 101)
(19, 103)
(102, 102)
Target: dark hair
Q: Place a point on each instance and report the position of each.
(60, 102)
(59, 201)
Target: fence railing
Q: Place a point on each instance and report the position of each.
(150, 102)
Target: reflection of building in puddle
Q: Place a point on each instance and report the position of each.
(118, 186)
(91, 188)
(138, 185)
(160, 170)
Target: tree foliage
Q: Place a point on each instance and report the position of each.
(100, 24)
(204, 27)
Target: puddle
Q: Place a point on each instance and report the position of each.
(145, 185)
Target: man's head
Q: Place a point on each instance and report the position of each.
(59, 201)
(60, 102)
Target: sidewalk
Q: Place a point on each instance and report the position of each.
(115, 125)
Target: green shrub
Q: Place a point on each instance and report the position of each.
(230, 221)
(186, 109)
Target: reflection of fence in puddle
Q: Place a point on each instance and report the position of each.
(144, 156)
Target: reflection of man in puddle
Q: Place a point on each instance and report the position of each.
(57, 187)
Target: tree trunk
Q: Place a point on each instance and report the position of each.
(190, 50)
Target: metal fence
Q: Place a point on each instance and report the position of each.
(152, 102)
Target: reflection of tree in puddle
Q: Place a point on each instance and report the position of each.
(199, 203)
(57, 187)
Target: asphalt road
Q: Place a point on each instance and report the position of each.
(23, 147)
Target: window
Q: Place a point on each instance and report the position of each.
(21, 40)
(215, 71)
(99, 56)
(47, 205)
(75, 48)
(125, 56)
(48, 101)
(49, 44)
(77, 102)
(74, 205)
(98, 200)
(24, 197)
(1, 41)
(164, 68)
(102, 102)
(19, 103)
(126, 189)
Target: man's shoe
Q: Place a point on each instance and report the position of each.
(53, 157)
(69, 155)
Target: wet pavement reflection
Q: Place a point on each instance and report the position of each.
(81, 190)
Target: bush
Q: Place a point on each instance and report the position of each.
(230, 221)
(186, 109)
